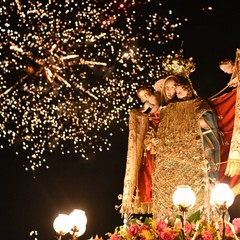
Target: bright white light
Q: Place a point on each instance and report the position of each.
(61, 224)
(184, 197)
(222, 195)
(78, 221)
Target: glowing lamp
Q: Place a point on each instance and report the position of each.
(222, 196)
(61, 224)
(78, 221)
(184, 198)
(74, 223)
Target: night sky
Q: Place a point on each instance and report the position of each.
(30, 202)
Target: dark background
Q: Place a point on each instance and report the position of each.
(31, 203)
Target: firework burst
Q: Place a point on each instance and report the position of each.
(70, 70)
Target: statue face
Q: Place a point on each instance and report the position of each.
(170, 88)
(181, 92)
(143, 95)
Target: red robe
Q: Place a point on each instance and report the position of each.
(225, 110)
(146, 169)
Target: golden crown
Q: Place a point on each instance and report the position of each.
(178, 65)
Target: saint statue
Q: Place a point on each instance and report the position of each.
(180, 143)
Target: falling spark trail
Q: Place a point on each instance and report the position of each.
(64, 81)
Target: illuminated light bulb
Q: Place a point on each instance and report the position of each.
(184, 197)
(222, 196)
(78, 221)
